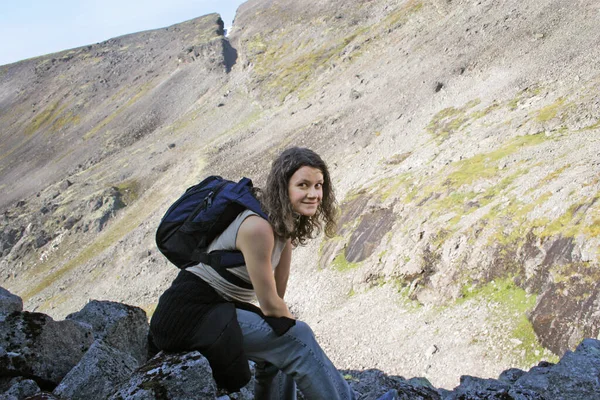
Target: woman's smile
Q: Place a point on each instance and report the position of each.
(306, 190)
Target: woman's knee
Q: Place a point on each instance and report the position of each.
(302, 332)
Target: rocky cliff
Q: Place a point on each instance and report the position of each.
(462, 138)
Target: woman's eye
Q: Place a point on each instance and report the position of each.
(319, 185)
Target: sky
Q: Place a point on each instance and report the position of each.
(31, 28)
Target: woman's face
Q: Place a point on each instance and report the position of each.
(305, 190)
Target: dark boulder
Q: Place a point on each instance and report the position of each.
(178, 376)
(101, 370)
(37, 347)
(9, 303)
(119, 325)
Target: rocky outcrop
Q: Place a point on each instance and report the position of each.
(9, 303)
(171, 376)
(37, 347)
(18, 388)
(37, 352)
(575, 376)
(101, 369)
(120, 326)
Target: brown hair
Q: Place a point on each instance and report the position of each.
(276, 201)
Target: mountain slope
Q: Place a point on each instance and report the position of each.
(463, 142)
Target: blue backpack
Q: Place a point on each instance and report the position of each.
(198, 217)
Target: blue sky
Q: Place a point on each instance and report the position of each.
(30, 28)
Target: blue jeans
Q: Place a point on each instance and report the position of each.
(293, 357)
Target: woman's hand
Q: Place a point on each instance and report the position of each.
(256, 240)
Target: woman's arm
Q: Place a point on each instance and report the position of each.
(255, 239)
(282, 271)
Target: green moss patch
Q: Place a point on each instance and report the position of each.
(484, 166)
(66, 120)
(488, 110)
(513, 305)
(295, 73)
(572, 221)
(44, 118)
(256, 45)
(555, 174)
(341, 264)
(522, 95)
(53, 118)
(550, 111)
(282, 71)
(129, 190)
(392, 187)
(141, 91)
(398, 17)
(449, 120)
(403, 288)
(593, 230)
(593, 126)
(284, 60)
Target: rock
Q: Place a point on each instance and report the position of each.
(9, 237)
(420, 381)
(510, 376)
(18, 388)
(71, 221)
(247, 392)
(64, 185)
(42, 396)
(575, 376)
(95, 204)
(431, 350)
(390, 395)
(371, 384)
(119, 325)
(38, 347)
(474, 388)
(355, 94)
(371, 230)
(176, 376)
(524, 394)
(412, 391)
(111, 203)
(567, 310)
(9, 303)
(41, 239)
(101, 370)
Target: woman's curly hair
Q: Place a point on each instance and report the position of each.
(276, 203)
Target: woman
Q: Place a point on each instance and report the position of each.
(298, 200)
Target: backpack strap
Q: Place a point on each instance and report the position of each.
(220, 260)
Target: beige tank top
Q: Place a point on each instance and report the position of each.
(226, 241)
